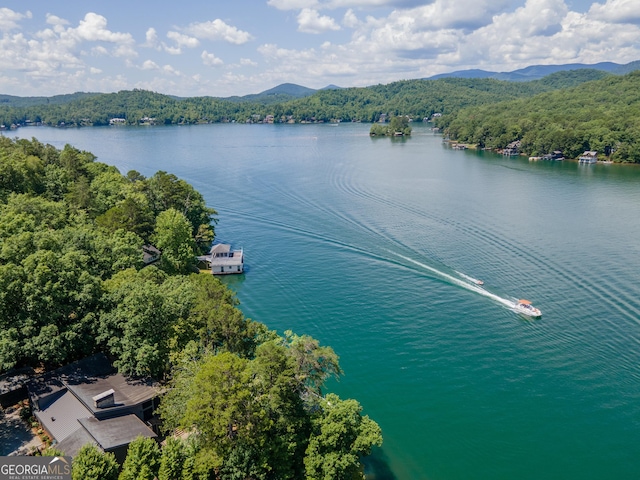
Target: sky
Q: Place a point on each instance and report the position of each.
(239, 47)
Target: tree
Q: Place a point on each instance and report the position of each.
(313, 364)
(143, 460)
(129, 215)
(222, 408)
(93, 464)
(172, 460)
(174, 239)
(399, 125)
(141, 309)
(166, 191)
(341, 435)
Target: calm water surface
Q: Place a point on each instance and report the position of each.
(364, 243)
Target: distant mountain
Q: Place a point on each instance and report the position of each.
(536, 72)
(280, 93)
(13, 101)
(629, 67)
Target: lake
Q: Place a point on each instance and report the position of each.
(366, 244)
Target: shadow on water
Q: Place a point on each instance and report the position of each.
(232, 281)
(376, 466)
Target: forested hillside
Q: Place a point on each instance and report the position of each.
(73, 282)
(602, 115)
(414, 98)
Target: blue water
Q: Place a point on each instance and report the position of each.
(361, 243)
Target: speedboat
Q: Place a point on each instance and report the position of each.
(525, 307)
(478, 282)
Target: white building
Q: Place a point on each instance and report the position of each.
(588, 157)
(223, 260)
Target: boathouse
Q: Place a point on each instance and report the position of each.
(512, 149)
(589, 156)
(223, 260)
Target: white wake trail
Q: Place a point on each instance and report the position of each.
(457, 281)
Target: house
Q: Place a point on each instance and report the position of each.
(512, 149)
(556, 155)
(588, 156)
(90, 402)
(223, 260)
(150, 254)
(13, 388)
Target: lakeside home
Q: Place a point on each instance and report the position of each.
(589, 156)
(90, 402)
(223, 260)
(512, 149)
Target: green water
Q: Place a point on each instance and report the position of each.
(361, 243)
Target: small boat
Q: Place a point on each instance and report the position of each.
(525, 307)
(471, 279)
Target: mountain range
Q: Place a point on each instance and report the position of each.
(536, 72)
(291, 91)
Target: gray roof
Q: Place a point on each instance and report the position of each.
(221, 248)
(14, 380)
(60, 418)
(72, 444)
(111, 433)
(89, 377)
(127, 392)
(227, 261)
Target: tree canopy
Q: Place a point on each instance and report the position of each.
(415, 98)
(72, 283)
(601, 115)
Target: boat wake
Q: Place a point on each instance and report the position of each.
(466, 282)
(471, 279)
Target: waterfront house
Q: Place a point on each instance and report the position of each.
(556, 155)
(512, 149)
(223, 260)
(589, 156)
(90, 402)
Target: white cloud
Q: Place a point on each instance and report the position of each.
(292, 4)
(170, 70)
(218, 30)
(616, 11)
(546, 32)
(152, 40)
(95, 71)
(247, 62)
(9, 19)
(93, 28)
(310, 21)
(99, 51)
(180, 40)
(210, 59)
(149, 65)
(55, 20)
(183, 40)
(350, 20)
(124, 50)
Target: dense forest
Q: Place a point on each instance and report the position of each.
(602, 116)
(570, 111)
(73, 282)
(416, 99)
